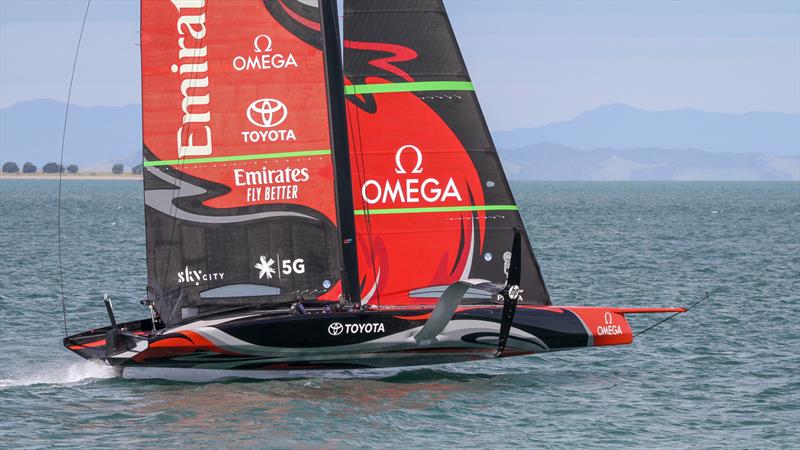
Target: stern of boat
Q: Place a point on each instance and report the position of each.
(107, 343)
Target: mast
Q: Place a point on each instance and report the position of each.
(341, 150)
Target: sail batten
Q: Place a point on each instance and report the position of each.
(435, 209)
(175, 162)
(410, 86)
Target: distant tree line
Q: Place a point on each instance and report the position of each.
(52, 167)
(28, 167)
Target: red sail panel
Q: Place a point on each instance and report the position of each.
(432, 202)
(239, 176)
(224, 80)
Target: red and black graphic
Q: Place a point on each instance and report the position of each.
(238, 173)
(433, 204)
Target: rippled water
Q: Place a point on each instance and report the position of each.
(726, 374)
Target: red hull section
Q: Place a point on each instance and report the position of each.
(609, 326)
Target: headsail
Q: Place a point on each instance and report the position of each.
(238, 181)
(433, 205)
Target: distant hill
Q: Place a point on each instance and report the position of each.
(546, 161)
(656, 145)
(622, 126)
(97, 136)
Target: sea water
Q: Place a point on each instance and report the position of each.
(725, 374)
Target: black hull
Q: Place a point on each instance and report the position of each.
(286, 344)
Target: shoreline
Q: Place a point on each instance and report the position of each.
(70, 176)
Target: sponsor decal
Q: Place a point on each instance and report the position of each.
(188, 275)
(263, 57)
(194, 134)
(267, 113)
(410, 186)
(336, 328)
(609, 329)
(272, 267)
(271, 184)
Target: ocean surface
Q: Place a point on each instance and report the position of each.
(727, 374)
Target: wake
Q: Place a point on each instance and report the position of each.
(57, 373)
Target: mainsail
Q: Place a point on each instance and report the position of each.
(239, 183)
(433, 205)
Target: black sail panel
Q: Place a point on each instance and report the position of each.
(433, 204)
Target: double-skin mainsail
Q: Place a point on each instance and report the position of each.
(240, 185)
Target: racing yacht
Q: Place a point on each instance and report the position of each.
(324, 201)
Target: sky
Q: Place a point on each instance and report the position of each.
(532, 62)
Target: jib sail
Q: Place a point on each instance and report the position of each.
(433, 205)
(239, 193)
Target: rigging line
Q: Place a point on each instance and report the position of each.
(61, 167)
(705, 297)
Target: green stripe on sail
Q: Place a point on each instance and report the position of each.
(175, 162)
(436, 209)
(418, 86)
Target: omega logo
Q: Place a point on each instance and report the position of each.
(400, 168)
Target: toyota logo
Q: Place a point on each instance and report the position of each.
(267, 112)
(335, 329)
